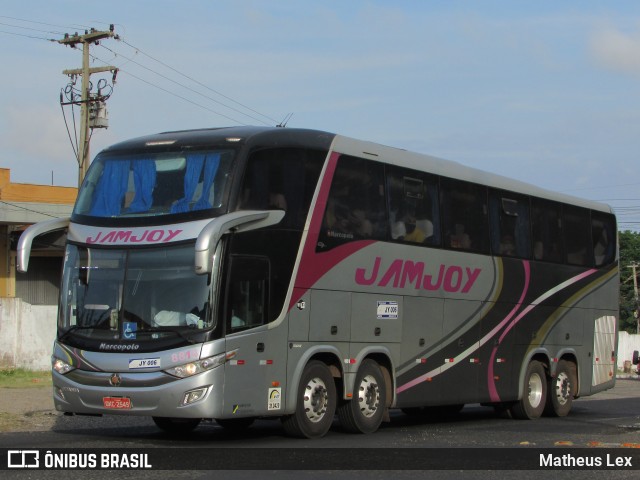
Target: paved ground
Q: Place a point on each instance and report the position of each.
(31, 409)
(26, 409)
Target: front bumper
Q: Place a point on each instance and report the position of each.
(150, 393)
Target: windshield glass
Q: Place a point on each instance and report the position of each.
(134, 294)
(141, 185)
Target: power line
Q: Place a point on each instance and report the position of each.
(173, 93)
(28, 209)
(269, 120)
(187, 87)
(196, 81)
(65, 27)
(29, 28)
(27, 36)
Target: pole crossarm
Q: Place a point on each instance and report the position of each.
(80, 71)
(89, 37)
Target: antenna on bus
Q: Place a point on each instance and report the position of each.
(284, 122)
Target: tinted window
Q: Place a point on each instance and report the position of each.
(603, 234)
(577, 235)
(356, 207)
(282, 178)
(464, 221)
(413, 207)
(247, 297)
(545, 229)
(509, 215)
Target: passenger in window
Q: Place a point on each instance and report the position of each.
(407, 230)
(538, 250)
(361, 225)
(460, 239)
(507, 246)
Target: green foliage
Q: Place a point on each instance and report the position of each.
(21, 378)
(629, 254)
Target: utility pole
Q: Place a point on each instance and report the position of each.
(635, 292)
(87, 99)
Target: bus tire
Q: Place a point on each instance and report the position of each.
(561, 390)
(365, 411)
(315, 403)
(534, 395)
(176, 425)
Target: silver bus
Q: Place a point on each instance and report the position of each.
(240, 273)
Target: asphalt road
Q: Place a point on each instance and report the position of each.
(608, 420)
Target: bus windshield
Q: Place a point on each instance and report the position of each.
(150, 184)
(133, 294)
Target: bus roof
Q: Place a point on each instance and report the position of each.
(251, 136)
(451, 169)
(292, 137)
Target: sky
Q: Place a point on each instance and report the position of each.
(545, 92)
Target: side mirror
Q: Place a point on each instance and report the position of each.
(35, 230)
(231, 222)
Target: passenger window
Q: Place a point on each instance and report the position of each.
(577, 238)
(509, 216)
(603, 234)
(545, 228)
(464, 221)
(282, 179)
(356, 204)
(413, 207)
(248, 293)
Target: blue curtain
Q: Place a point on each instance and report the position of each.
(144, 178)
(110, 189)
(191, 176)
(210, 168)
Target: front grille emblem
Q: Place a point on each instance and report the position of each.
(115, 380)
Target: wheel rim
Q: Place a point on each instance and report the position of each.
(535, 390)
(316, 399)
(368, 396)
(563, 388)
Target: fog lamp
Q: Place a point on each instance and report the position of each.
(193, 396)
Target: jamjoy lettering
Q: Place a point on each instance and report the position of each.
(130, 236)
(402, 273)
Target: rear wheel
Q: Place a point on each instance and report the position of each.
(176, 425)
(561, 390)
(364, 412)
(535, 393)
(315, 403)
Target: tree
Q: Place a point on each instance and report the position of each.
(629, 254)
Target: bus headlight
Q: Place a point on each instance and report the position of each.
(193, 368)
(61, 366)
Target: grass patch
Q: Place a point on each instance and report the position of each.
(22, 378)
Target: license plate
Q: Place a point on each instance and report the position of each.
(116, 403)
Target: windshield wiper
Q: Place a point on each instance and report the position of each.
(73, 328)
(171, 330)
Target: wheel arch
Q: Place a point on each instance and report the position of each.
(383, 359)
(571, 357)
(541, 355)
(328, 355)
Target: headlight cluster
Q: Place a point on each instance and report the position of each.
(61, 366)
(193, 368)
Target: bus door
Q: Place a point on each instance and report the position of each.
(255, 376)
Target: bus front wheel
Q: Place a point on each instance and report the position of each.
(534, 396)
(315, 403)
(364, 412)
